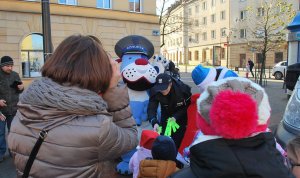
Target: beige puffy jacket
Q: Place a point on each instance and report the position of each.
(87, 131)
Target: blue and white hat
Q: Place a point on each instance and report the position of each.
(203, 76)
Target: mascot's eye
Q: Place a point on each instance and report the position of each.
(154, 57)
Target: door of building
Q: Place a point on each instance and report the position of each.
(242, 60)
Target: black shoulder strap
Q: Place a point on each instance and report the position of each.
(34, 152)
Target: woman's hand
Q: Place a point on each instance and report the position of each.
(116, 74)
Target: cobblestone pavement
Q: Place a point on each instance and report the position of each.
(274, 89)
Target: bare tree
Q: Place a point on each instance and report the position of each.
(171, 21)
(266, 27)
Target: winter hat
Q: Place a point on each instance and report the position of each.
(6, 60)
(233, 108)
(147, 138)
(224, 72)
(202, 76)
(164, 148)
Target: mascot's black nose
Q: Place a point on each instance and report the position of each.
(141, 61)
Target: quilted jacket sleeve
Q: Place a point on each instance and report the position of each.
(122, 131)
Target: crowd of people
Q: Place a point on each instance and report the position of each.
(75, 121)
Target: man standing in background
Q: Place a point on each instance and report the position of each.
(10, 88)
(251, 65)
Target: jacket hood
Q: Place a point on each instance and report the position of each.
(46, 103)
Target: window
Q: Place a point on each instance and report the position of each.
(213, 18)
(242, 0)
(105, 4)
(243, 33)
(190, 39)
(213, 34)
(223, 1)
(68, 2)
(213, 3)
(197, 37)
(222, 15)
(135, 5)
(260, 11)
(197, 9)
(204, 21)
(204, 5)
(197, 23)
(204, 36)
(196, 54)
(243, 14)
(190, 11)
(32, 55)
(223, 32)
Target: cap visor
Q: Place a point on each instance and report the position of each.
(160, 87)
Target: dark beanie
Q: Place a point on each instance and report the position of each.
(164, 148)
(6, 60)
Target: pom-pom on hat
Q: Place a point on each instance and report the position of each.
(147, 138)
(164, 148)
(233, 108)
(6, 60)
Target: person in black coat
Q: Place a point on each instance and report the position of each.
(251, 65)
(174, 99)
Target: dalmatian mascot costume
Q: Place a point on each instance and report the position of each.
(163, 65)
(139, 75)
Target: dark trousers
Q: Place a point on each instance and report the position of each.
(3, 124)
(251, 71)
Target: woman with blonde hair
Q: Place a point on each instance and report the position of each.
(77, 113)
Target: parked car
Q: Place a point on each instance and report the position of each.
(279, 70)
(289, 127)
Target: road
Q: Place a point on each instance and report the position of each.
(277, 98)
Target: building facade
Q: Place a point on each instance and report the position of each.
(109, 20)
(215, 33)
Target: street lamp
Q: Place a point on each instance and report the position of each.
(46, 23)
(227, 45)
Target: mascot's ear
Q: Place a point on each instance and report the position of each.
(118, 60)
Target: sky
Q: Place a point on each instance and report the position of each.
(159, 4)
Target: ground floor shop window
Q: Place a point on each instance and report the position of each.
(32, 55)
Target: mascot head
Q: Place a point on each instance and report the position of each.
(133, 47)
(233, 108)
(160, 63)
(134, 52)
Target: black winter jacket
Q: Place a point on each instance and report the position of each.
(255, 157)
(9, 94)
(175, 105)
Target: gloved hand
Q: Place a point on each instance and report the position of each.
(157, 128)
(172, 126)
(153, 121)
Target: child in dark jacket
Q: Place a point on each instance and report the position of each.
(163, 164)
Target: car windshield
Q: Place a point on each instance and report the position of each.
(291, 116)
